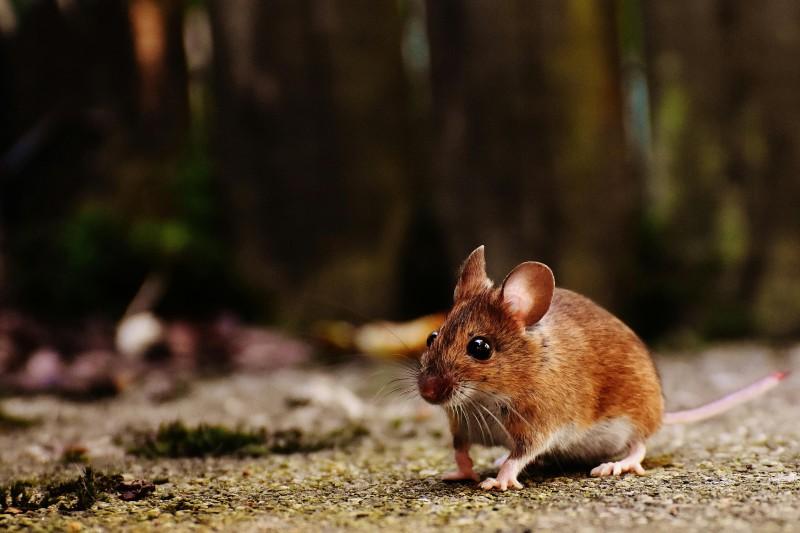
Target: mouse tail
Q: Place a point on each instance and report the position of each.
(726, 402)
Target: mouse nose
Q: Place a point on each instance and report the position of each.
(434, 389)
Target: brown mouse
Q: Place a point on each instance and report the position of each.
(546, 373)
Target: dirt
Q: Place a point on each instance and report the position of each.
(738, 472)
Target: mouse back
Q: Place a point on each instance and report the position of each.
(603, 361)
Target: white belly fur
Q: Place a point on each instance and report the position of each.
(604, 441)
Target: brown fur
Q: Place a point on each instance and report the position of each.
(577, 366)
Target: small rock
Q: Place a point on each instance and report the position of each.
(137, 333)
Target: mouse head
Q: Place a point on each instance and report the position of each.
(481, 345)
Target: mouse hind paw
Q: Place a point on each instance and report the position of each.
(632, 463)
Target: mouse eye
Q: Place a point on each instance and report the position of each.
(431, 338)
(479, 348)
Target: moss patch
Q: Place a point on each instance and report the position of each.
(175, 439)
(76, 494)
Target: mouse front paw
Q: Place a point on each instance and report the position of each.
(500, 483)
(460, 475)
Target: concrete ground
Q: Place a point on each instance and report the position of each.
(738, 472)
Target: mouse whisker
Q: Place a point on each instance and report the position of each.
(485, 422)
(478, 422)
(409, 367)
(401, 379)
(499, 423)
(462, 415)
(406, 391)
(460, 402)
(402, 366)
(408, 377)
(502, 402)
(380, 393)
(407, 372)
(475, 413)
(511, 408)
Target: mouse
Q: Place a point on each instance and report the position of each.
(548, 374)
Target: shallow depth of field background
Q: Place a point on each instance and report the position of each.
(209, 209)
(290, 161)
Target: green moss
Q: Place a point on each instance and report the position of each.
(76, 494)
(177, 440)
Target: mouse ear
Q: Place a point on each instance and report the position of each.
(528, 291)
(472, 279)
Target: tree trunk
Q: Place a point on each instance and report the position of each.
(530, 150)
(312, 140)
(157, 33)
(766, 147)
(68, 70)
(726, 142)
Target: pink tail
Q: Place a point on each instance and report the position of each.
(726, 402)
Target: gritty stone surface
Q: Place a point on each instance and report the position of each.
(738, 472)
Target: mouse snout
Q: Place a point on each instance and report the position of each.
(434, 389)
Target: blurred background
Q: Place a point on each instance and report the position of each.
(282, 162)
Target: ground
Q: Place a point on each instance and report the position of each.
(738, 472)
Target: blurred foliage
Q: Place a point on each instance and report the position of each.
(294, 161)
(101, 252)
